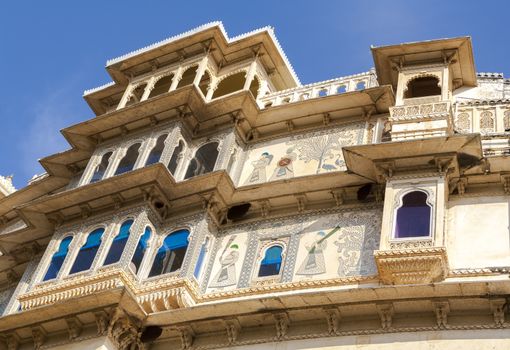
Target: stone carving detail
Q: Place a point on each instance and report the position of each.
(442, 309)
(74, 327)
(464, 122)
(412, 266)
(232, 327)
(486, 122)
(186, 334)
(38, 336)
(282, 322)
(101, 322)
(12, 341)
(498, 311)
(124, 330)
(333, 320)
(386, 314)
(506, 120)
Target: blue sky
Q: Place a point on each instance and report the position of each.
(51, 51)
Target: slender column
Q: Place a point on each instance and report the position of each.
(89, 170)
(201, 70)
(250, 74)
(143, 153)
(212, 87)
(114, 162)
(225, 151)
(177, 78)
(170, 143)
(126, 96)
(148, 89)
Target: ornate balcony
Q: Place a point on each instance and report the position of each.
(413, 121)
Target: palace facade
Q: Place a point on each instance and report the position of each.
(215, 202)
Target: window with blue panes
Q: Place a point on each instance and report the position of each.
(156, 151)
(128, 162)
(101, 167)
(88, 251)
(272, 262)
(118, 244)
(140, 250)
(58, 259)
(170, 255)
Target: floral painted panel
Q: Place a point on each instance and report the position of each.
(300, 155)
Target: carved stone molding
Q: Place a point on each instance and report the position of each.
(412, 266)
(124, 330)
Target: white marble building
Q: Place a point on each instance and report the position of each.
(215, 202)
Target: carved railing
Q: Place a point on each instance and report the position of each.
(320, 89)
(421, 111)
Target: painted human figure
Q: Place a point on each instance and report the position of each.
(226, 276)
(285, 166)
(259, 169)
(313, 264)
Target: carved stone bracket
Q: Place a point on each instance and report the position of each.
(333, 318)
(38, 336)
(498, 311)
(386, 312)
(12, 341)
(74, 327)
(101, 322)
(124, 330)
(410, 266)
(186, 334)
(232, 327)
(282, 323)
(441, 309)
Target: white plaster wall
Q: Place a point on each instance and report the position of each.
(101, 343)
(478, 232)
(495, 339)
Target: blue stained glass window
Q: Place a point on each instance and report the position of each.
(88, 251)
(118, 244)
(141, 247)
(128, 162)
(413, 217)
(156, 151)
(201, 257)
(272, 262)
(101, 168)
(58, 259)
(171, 254)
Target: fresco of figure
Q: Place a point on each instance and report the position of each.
(259, 169)
(285, 166)
(313, 264)
(226, 276)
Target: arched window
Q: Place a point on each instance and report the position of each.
(423, 86)
(136, 94)
(204, 160)
(140, 250)
(188, 76)
(128, 162)
(413, 217)
(341, 89)
(272, 262)
(118, 244)
(323, 93)
(157, 150)
(201, 258)
(58, 259)
(230, 84)
(161, 86)
(87, 252)
(101, 167)
(171, 254)
(360, 85)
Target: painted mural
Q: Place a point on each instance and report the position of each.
(299, 155)
(317, 247)
(227, 262)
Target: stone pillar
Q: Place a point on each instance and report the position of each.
(148, 89)
(115, 159)
(201, 70)
(225, 151)
(250, 75)
(143, 153)
(126, 96)
(212, 87)
(89, 170)
(177, 78)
